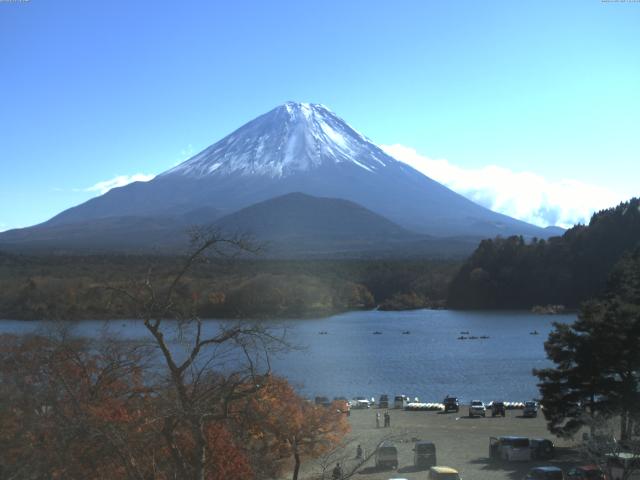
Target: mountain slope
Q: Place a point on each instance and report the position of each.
(297, 223)
(296, 147)
(297, 215)
(294, 225)
(302, 148)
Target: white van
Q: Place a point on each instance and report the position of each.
(400, 401)
(511, 449)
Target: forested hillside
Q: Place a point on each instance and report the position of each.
(513, 273)
(79, 287)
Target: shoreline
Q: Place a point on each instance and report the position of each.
(300, 316)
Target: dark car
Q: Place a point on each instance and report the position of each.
(497, 408)
(451, 403)
(542, 449)
(530, 409)
(545, 473)
(323, 401)
(386, 455)
(586, 472)
(384, 401)
(424, 454)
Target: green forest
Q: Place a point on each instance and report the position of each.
(567, 270)
(80, 287)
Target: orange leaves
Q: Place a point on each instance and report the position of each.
(285, 423)
(226, 460)
(71, 410)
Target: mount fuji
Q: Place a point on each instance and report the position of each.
(296, 147)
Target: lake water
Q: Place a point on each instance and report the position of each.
(429, 363)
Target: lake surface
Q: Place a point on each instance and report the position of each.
(429, 363)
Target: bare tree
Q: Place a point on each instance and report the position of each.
(208, 368)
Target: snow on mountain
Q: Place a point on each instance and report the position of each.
(296, 147)
(291, 138)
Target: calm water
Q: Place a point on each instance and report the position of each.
(428, 363)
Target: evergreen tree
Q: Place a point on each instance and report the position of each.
(567, 270)
(597, 359)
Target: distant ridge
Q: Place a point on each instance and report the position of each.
(297, 215)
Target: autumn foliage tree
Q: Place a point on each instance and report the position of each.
(195, 401)
(69, 411)
(287, 428)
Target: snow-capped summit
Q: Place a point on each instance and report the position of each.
(296, 147)
(290, 138)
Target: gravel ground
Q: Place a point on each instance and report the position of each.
(461, 443)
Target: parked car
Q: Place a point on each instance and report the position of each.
(342, 405)
(586, 472)
(599, 443)
(323, 401)
(497, 408)
(545, 473)
(360, 403)
(384, 401)
(424, 454)
(477, 408)
(530, 409)
(443, 473)
(621, 463)
(510, 449)
(400, 401)
(542, 449)
(451, 403)
(386, 455)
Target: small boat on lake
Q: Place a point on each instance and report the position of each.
(462, 338)
(406, 332)
(535, 332)
(464, 333)
(377, 333)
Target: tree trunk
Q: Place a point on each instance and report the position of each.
(624, 427)
(201, 449)
(296, 457)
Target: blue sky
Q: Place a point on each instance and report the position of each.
(499, 100)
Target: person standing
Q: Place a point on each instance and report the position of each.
(359, 452)
(337, 472)
(377, 419)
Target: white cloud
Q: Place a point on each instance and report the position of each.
(119, 181)
(523, 195)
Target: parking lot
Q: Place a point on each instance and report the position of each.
(461, 442)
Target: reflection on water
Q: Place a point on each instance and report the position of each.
(415, 353)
